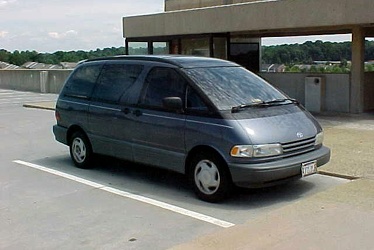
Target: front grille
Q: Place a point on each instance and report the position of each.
(298, 147)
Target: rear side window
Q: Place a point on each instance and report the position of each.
(161, 83)
(82, 81)
(115, 80)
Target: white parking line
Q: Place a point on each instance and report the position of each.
(132, 196)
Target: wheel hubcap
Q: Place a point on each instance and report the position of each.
(207, 177)
(79, 150)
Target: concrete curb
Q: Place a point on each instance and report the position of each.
(44, 105)
(332, 174)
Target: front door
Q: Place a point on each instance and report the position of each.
(158, 133)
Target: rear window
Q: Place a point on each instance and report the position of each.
(227, 87)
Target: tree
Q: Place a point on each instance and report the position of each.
(344, 63)
(369, 67)
(295, 69)
(17, 58)
(4, 55)
(288, 54)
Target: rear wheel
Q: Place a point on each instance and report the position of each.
(80, 150)
(210, 177)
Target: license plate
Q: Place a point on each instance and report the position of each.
(308, 168)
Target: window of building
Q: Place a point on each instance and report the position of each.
(246, 54)
(138, 48)
(196, 46)
(160, 48)
(220, 47)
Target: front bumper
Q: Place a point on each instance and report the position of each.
(272, 173)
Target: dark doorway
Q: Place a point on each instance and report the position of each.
(246, 54)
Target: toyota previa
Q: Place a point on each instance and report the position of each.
(213, 120)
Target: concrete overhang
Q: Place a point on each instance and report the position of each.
(261, 18)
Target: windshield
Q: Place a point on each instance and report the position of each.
(228, 87)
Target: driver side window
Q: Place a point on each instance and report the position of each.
(161, 83)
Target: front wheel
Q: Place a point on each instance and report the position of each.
(210, 177)
(80, 150)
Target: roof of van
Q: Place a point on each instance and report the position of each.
(181, 61)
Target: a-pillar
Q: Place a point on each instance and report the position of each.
(357, 70)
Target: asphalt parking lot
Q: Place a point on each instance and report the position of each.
(48, 203)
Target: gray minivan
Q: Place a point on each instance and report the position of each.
(210, 119)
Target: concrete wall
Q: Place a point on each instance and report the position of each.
(44, 81)
(337, 88)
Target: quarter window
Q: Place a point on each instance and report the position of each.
(82, 81)
(194, 102)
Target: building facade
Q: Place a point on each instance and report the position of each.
(240, 48)
(171, 5)
(232, 30)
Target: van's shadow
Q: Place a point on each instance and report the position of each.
(143, 179)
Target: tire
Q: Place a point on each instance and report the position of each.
(80, 150)
(210, 177)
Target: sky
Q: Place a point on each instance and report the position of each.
(54, 25)
(65, 25)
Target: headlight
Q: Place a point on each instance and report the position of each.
(256, 150)
(319, 139)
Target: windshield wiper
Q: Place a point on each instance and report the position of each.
(274, 102)
(236, 109)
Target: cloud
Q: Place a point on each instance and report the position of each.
(57, 35)
(3, 33)
(4, 3)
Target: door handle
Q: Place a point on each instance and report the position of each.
(137, 112)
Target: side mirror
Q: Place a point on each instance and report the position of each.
(173, 103)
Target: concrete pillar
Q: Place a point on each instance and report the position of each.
(358, 70)
(44, 81)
